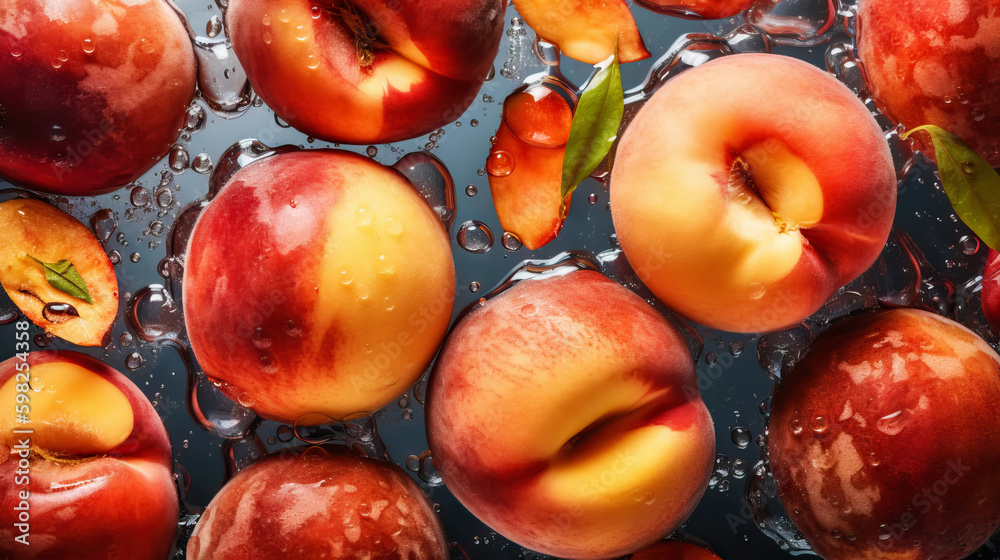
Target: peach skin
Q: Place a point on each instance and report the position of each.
(94, 480)
(749, 189)
(94, 92)
(884, 439)
(322, 272)
(565, 414)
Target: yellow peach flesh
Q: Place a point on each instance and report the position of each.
(72, 410)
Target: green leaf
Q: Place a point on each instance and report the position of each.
(595, 124)
(972, 185)
(63, 276)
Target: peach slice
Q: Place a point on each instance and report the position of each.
(586, 29)
(35, 230)
(525, 164)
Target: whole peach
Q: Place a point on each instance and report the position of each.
(317, 282)
(89, 476)
(318, 502)
(936, 62)
(94, 92)
(749, 189)
(565, 414)
(367, 71)
(884, 439)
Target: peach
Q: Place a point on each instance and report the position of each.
(525, 163)
(319, 502)
(90, 474)
(674, 550)
(936, 62)
(35, 231)
(749, 189)
(366, 71)
(565, 414)
(991, 289)
(884, 439)
(320, 272)
(698, 9)
(94, 92)
(586, 30)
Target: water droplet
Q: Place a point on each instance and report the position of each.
(741, 437)
(16, 51)
(743, 198)
(740, 468)
(796, 426)
(592, 199)
(969, 244)
(968, 168)
(164, 198)
(135, 257)
(500, 164)
(126, 339)
(475, 237)
(56, 63)
(711, 358)
(134, 361)
(89, 46)
(37, 384)
(510, 241)
(364, 216)
(372, 151)
(978, 114)
(285, 433)
(202, 164)
(474, 286)
(104, 223)
(385, 265)
(185, 444)
(346, 277)
(44, 339)
(473, 122)
(312, 62)
(818, 424)
(153, 315)
(735, 348)
(115, 257)
(58, 312)
(301, 33)
(156, 228)
(471, 190)
(57, 133)
(892, 424)
(179, 159)
(214, 26)
(196, 118)
(140, 198)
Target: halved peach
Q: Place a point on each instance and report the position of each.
(35, 233)
(525, 165)
(586, 29)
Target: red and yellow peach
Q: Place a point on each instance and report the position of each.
(749, 189)
(93, 94)
(565, 414)
(366, 71)
(319, 502)
(94, 480)
(884, 439)
(322, 273)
